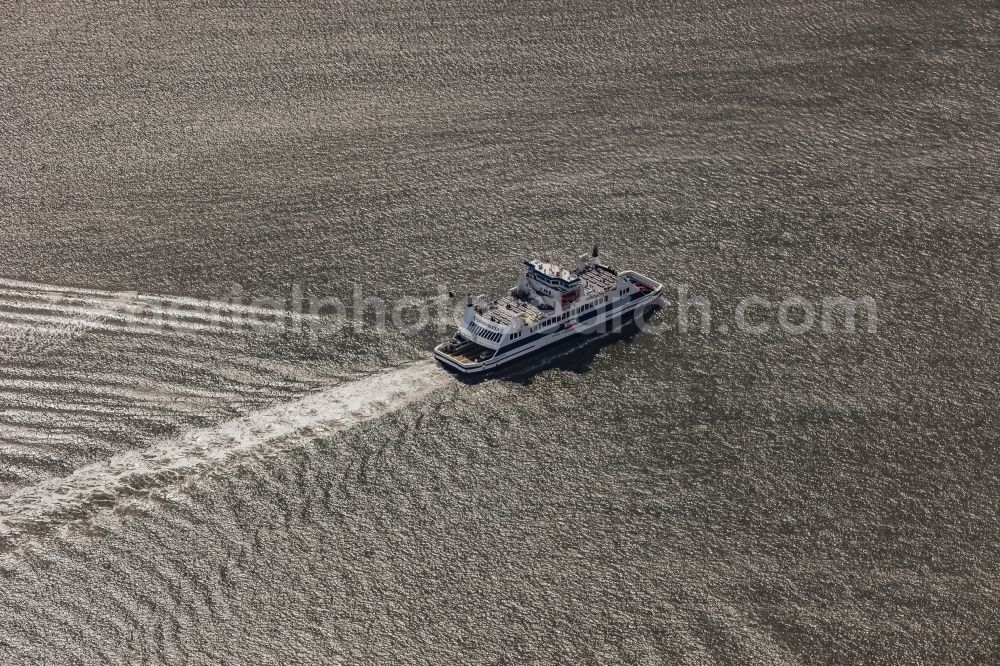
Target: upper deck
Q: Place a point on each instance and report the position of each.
(503, 310)
(545, 293)
(596, 280)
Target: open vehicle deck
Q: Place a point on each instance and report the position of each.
(468, 352)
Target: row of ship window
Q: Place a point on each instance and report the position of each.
(483, 332)
(551, 280)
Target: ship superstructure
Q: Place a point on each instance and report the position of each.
(548, 305)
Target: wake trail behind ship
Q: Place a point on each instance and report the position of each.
(42, 507)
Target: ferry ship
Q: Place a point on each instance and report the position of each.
(548, 305)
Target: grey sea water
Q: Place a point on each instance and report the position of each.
(183, 495)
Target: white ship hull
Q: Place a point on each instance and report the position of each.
(622, 311)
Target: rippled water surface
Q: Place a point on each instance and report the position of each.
(297, 494)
